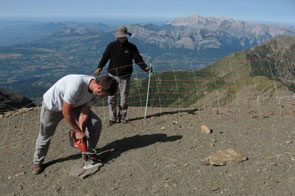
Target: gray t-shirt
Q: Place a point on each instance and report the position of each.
(72, 89)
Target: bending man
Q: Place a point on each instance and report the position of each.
(71, 98)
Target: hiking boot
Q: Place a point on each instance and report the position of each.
(124, 121)
(111, 123)
(37, 169)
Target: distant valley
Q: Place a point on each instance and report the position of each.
(262, 74)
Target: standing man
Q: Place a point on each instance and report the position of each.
(120, 53)
(71, 98)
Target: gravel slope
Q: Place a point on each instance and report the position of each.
(162, 155)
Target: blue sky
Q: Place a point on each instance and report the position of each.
(254, 10)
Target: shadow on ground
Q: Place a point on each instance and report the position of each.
(166, 113)
(116, 148)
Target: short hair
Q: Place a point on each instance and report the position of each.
(109, 84)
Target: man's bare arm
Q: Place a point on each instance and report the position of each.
(84, 117)
(66, 111)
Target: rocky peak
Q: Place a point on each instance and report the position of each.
(231, 26)
(199, 21)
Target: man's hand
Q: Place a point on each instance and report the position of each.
(97, 71)
(149, 69)
(79, 135)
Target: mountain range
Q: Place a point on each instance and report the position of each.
(200, 33)
(76, 48)
(24, 32)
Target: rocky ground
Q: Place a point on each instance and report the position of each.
(164, 154)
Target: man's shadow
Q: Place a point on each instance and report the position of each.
(192, 112)
(116, 148)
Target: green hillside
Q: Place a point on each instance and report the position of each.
(275, 59)
(239, 76)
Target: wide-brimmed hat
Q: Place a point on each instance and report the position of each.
(122, 32)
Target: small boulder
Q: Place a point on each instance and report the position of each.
(205, 129)
(226, 156)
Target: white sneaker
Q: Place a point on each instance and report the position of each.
(91, 164)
